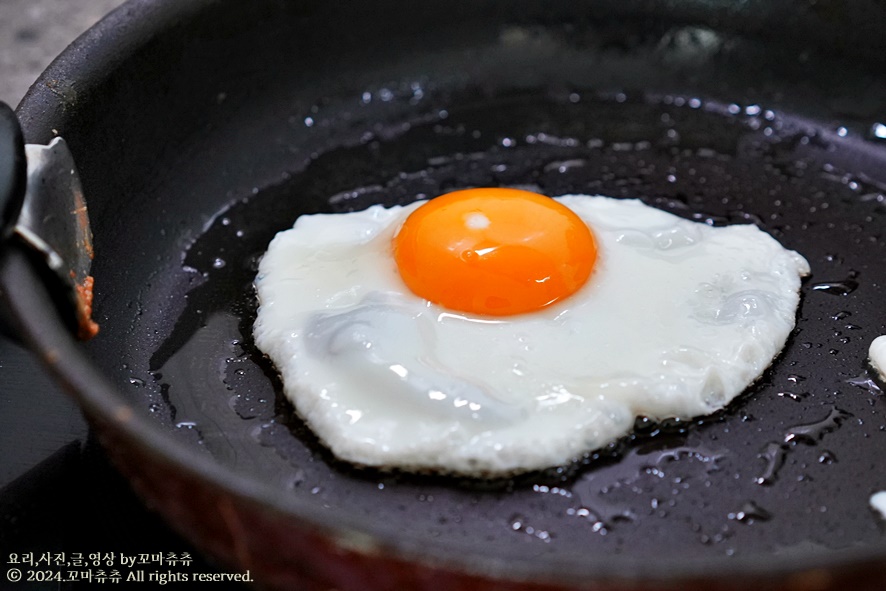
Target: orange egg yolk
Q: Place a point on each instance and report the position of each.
(494, 251)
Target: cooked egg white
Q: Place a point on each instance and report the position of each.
(877, 355)
(878, 503)
(677, 319)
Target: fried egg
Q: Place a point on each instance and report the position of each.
(496, 331)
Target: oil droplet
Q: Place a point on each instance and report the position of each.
(563, 166)
(518, 523)
(644, 425)
(839, 288)
(811, 433)
(827, 457)
(793, 395)
(191, 427)
(658, 457)
(865, 382)
(877, 132)
(750, 512)
(774, 454)
(137, 382)
(553, 490)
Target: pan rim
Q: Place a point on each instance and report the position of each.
(41, 110)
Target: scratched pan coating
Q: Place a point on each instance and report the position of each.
(678, 114)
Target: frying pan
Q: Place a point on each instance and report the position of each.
(201, 128)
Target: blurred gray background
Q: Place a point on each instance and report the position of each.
(33, 32)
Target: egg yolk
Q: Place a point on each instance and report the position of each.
(494, 251)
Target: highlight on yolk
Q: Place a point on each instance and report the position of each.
(494, 251)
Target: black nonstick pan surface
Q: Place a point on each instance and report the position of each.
(202, 130)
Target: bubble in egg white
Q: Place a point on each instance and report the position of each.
(677, 319)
